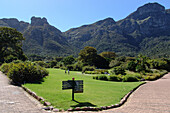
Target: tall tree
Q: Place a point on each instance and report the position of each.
(10, 45)
(89, 55)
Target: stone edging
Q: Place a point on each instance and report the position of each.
(48, 107)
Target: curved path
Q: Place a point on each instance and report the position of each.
(14, 99)
(152, 97)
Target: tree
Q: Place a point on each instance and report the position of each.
(11, 45)
(132, 66)
(142, 64)
(109, 55)
(68, 60)
(88, 55)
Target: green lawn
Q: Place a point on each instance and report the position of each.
(96, 93)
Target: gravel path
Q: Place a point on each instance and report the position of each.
(152, 97)
(14, 99)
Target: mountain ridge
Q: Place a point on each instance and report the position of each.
(140, 31)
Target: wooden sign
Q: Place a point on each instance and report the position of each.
(75, 85)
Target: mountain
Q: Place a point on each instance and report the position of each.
(40, 37)
(144, 31)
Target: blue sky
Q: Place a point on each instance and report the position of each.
(66, 14)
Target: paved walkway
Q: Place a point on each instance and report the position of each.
(153, 97)
(14, 99)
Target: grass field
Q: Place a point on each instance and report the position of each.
(96, 93)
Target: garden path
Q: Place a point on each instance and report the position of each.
(152, 97)
(14, 99)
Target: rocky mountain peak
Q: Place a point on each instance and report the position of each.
(151, 7)
(106, 21)
(37, 21)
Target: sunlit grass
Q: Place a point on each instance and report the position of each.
(96, 93)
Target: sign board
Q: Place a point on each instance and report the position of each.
(67, 84)
(78, 88)
(77, 84)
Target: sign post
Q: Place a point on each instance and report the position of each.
(73, 89)
(75, 85)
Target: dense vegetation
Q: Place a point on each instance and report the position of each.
(24, 72)
(10, 45)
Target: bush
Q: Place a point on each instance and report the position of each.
(129, 78)
(97, 71)
(152, 76)
(95, 77)
(41, 63)
(5, 67)
(115, 78)
(114, 63)
(90, 72)
(102, 77)
(78, 66)
(88, 68)
(70, 67)
(131, 66)
(57, 67)
(118, 70)
(156, 74)
(26, 72)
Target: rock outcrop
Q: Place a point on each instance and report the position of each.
(37, 21)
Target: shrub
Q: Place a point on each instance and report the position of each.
(52, 63)
(78, 66)
(118, 70)
(102, 77)
(95, 77)
(131, 66)
(88, 68)
(101, 71)
(115, 78)
(98, 71)
(130, 78)
(114, 63)
(41, 63)
(56, 67)
(90, 72)
(5, 67)
(70, 67)
(26, 72)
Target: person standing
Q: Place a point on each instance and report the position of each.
(68, 71)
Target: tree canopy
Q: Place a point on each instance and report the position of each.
(107, 54)
(89, 55)
(11, 45)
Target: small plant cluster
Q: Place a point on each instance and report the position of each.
(118, 78)
(132, 76)
(97, 71)
(156, 74)
(23, 72)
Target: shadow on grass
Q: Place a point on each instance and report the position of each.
(83, 104)
(21, 83)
